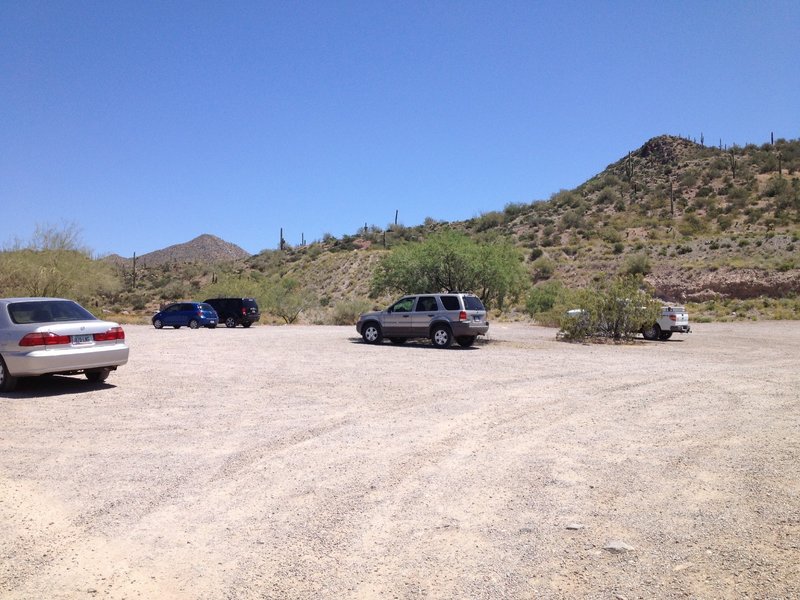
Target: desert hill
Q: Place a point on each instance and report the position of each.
(205, 248)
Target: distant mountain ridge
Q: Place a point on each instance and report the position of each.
(205, 248)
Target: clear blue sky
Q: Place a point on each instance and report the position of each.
(147, 123)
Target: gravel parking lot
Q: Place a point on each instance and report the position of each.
(298, 462)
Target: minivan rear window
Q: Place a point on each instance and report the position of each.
(473, 303)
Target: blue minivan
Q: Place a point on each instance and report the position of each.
(191, 314)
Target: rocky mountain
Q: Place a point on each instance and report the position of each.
(205, 249)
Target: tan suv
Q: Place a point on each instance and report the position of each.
(440, 317)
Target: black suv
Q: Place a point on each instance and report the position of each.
(235, 311)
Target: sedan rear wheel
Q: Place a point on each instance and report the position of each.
(7, 381)
(193, 324)
(98, 376)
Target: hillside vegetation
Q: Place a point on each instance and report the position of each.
(714, 227)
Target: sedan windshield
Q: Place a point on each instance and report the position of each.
(48, 311)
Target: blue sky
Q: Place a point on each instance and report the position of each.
(148, 123)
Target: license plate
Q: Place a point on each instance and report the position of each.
(82, 339)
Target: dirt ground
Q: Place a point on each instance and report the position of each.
(298, 462)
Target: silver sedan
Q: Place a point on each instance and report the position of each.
(42, 336)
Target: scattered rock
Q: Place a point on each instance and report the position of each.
(618, 547)
(575, 526)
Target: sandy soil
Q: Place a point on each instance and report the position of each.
(298, 462)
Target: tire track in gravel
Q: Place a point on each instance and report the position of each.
(242, 459)
(332, 525)
(42, 549)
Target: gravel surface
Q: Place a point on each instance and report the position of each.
(298, 462)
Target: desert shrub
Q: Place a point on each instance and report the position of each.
(618, 248)
(754, 215)
(543, 268)
(565, 198)
(607, 196)
(514, 209)
(637, 264)
(536, 253)
(691, 225)
(54, 263)
(489, 220)
(738, 196)
(616, 309)
(175, 290)
(611, 235)
(137, 301)
(543, 297)
(724, 222)
(348, 311)
(571, 219)
(689, 178)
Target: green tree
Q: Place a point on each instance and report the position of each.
(286, 299)
(451, 261)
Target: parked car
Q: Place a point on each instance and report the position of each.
(673, 319)
(47, 336)
(440, 317)
(191, 314)
(235, 311)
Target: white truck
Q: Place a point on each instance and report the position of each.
(673, 319)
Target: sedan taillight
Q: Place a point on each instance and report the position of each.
(115, 333)
(47, 338)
